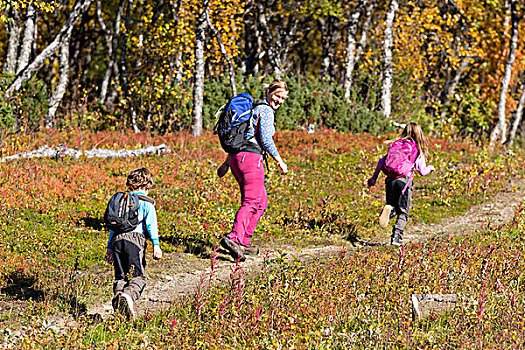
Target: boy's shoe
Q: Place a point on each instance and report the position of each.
(125, 306)
(233, 248)
(116, 301)
(249, 250)
(385, 216)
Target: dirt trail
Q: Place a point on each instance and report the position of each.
(496, 210)
(179, 274)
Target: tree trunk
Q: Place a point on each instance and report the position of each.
(351, 47)
(124, 72)
(325, 44)
(60, 89)
(250, 58)
(111, 42)
(517, 119)
(179, 68)
(13, 31)
(230, 68)
(388, 70)
(28, 39)
(450, 87)
(273, 57)
(500, 130)
(365, 27)
(78, 10)
(198, 88)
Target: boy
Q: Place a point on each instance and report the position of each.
(126, 250)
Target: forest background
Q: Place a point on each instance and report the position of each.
(90, 74)
(456, 67)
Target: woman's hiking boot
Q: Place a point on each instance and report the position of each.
(385, 216)
(233, 249)
(249, 250)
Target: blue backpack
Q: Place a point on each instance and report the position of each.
(234, 122)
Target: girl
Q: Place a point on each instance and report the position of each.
(248, 168)
(399, 186)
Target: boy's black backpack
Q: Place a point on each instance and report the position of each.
(122, 212)
(234, 122)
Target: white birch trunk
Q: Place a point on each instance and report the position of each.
(198, 88)
(178, 67)
(230, 68)
(78, 10)
(450, 89)
(351, 48)
(28, 39)
(273, 58)
(388, 70)
(110, 44)
(364, 28)
(517, 119)
(500, 130)
(60, 89)
(13, 31)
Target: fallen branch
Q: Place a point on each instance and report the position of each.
(60, 152)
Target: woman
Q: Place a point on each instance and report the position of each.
(248, 168)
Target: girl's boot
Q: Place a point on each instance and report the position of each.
(396, 237)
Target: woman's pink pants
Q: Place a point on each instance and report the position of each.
(248, 169)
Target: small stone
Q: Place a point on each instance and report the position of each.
(425, 304)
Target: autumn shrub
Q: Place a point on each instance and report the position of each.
(51, 210)
(355, 299)
(312, 103)
(475, 110)
(22, 111)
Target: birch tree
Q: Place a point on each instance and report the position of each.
(499, 133)
(63, 80)
(388, 70)
(111, 40)
(518, 114)
(13, 31)
(27, 39)
(198, 88)
(25, 74)
(353, 46)
(273, 44)
(230, 68)
(124, 71)
(279, 23)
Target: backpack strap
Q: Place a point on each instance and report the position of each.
(146, 199)
(258, 130)
(411, 177)
(141, 196)
(257, 104)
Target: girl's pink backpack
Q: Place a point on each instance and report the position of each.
(400, 159)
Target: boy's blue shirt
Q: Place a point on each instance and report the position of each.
(148, 221)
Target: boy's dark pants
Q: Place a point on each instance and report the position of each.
(400, 202)
(129, 262)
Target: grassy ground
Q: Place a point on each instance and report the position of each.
(52, 242)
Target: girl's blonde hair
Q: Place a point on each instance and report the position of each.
(414, 131)
(277, 84)
(140, 178)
